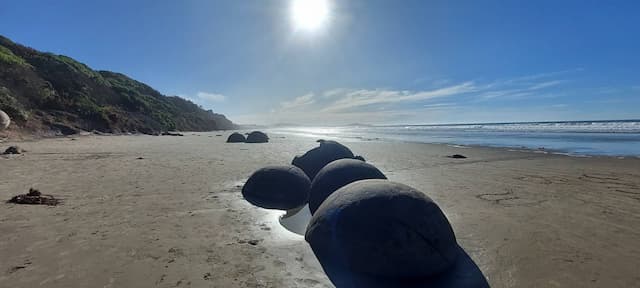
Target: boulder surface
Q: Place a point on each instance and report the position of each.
(277, 187)
(257, 137)
(236, 138)
(338, 174)
(381, 229)
(4, 120)
(316, 158)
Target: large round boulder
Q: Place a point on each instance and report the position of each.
(383, 230)
(338, 174)
(316, 158)
(277, 187)
(236, 138)
(257, 137)
(4, 120)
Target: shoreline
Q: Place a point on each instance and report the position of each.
(507, 148)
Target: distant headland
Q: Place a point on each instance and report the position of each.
(46, 94)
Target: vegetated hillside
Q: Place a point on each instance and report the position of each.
(44, 92)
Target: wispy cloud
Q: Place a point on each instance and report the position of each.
(342, 105)
(212, 97)
(361, 98)
(298, 102)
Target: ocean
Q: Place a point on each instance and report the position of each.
(576, 138)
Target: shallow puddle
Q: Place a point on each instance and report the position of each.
(296, 220)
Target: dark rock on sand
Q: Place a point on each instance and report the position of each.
(338, 174)
(316, 158)
(277, 187)
(236, 138)
(381, 229)
(457, 156)
(34, 197)
(171, 134)
(13, 150)
(257, 137)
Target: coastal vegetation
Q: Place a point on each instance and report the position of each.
(44, 92)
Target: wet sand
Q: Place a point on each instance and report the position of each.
(176, 217)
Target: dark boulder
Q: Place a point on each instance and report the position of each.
(338, 174)
(457, 156)
(316, 158)
(13, 150)
(277, 187)
(257, 137)
(236, 138)
(381, 229)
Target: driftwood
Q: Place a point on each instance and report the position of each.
(35, 197)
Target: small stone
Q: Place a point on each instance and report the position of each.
(13, 150)
(457, 156)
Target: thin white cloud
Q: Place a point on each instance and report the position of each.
(211, 97)
(343, 105)
(298, 102)
(360, 98)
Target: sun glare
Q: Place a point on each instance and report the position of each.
(309, 15)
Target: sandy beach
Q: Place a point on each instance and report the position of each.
(145, 211)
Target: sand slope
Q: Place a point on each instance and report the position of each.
(176, 218)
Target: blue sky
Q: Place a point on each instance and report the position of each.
(372, 61)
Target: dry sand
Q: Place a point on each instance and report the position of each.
(176, 217)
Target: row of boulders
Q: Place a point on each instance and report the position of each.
(366, 231)
(253, 137)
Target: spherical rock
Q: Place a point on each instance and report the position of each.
(257, 137)
(381, 229)
(316, 158)
(236, 138)
(277, 187)
(338, 174)
(4, 120)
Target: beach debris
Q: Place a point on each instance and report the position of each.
(236, 137)
(34, 197)
(457, 156)
(377, 233)
(257, 137)
(5, 120)
(338, 174)
(13, 150)
(171, 134)
(217, 135)
(277, 187)
(328, 151)
(140, 158)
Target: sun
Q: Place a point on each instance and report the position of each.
(309, 15)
